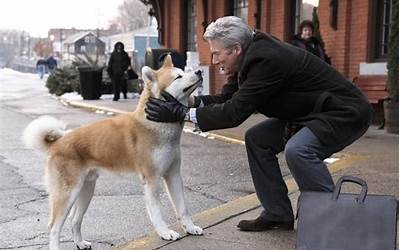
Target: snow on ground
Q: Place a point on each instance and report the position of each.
(13, 84)
(11, 80)
(10, 74)
(74, 96)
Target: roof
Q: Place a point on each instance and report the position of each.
(77, 36)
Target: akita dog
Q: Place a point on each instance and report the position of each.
(125, 143)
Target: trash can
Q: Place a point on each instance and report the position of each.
(90, 81)
(154, 58)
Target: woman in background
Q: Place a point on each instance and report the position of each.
(119, 63)
(305, 39)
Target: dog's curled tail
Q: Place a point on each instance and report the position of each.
(42, 132)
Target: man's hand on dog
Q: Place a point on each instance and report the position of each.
(170, 110)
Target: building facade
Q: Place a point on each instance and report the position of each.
(355, 32)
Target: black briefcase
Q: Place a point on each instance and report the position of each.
(341, 221)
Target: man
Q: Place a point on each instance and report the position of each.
(41, 65)
(294, 89)
(52, 64)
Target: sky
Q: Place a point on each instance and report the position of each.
(38, 16)
(313, 2)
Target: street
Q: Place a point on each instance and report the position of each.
(214, 173)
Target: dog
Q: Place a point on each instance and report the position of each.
(123, 144)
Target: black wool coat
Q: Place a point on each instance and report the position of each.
(285, 82)
(312, 45)
(118, 63)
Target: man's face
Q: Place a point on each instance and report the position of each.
(227, 59)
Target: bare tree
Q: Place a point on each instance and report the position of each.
(133, 14)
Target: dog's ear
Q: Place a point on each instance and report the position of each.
(148, 75)
(168, 61)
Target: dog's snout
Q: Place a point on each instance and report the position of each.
(199, 74)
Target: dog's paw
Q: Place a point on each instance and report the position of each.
(169, 235)
(194, 230)
(83, 245)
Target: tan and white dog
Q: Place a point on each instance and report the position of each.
(123, 144)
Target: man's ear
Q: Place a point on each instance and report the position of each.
(148, 75)
(238, 48)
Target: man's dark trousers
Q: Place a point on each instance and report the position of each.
(304, 155)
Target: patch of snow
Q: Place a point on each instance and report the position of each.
(72, 96)
(331, 160)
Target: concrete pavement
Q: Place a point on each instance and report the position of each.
(374, 158)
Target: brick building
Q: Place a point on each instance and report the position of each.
(355, 32)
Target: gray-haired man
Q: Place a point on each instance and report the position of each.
(291, 87)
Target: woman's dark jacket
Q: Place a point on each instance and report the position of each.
(119, 62)
(312, 45)
(282, 81)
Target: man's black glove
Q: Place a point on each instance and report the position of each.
(170, 110)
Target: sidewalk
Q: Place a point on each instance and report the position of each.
(374, 158)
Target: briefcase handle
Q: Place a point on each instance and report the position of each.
(362, 183)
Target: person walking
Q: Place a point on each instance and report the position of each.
(290, 87)
(305, 39)
(118, 64)
(51, 64)
(41, 65)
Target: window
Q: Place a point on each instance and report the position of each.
(241, 9)
(293, 17)
(298, 11)
(381, 32)
(304, 11)
(191, 26)
(298, 15)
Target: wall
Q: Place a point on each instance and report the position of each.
(347, 46)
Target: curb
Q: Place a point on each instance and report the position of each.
(217, 215)
(90, 107)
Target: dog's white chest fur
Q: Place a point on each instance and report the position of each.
(168, 148)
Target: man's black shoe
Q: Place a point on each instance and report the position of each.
(261, 224)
